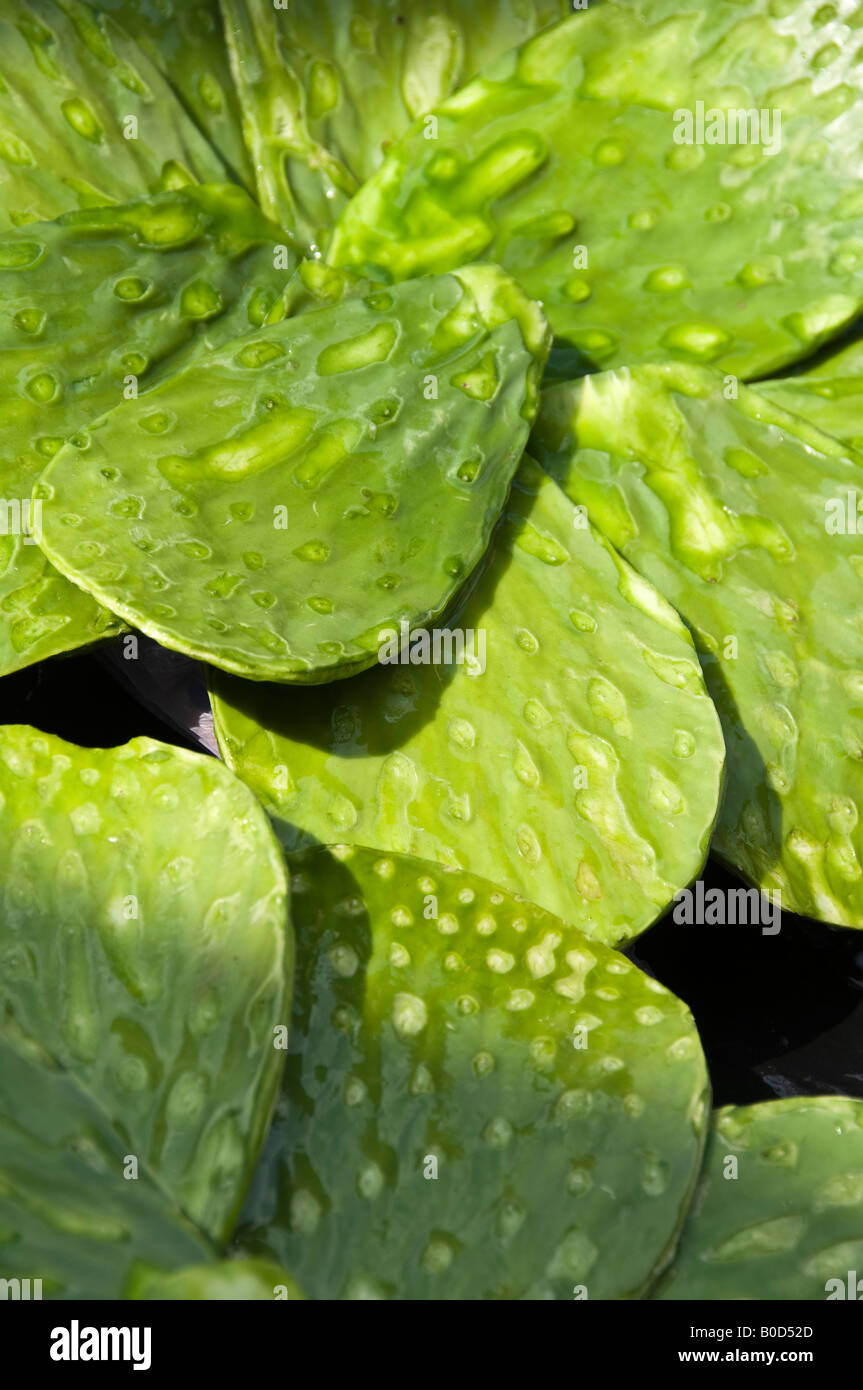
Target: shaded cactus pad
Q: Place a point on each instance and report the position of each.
(86, 118)
(147, 956)
(555, 737)
(274, 505)
(779, 1208)
(186, 40)
(478, 1102)
(69, 1214)
(236, 1280)
(829, 395)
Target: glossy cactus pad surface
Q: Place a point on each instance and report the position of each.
(186, 40)
(86, 117)
(69, 1216)
(829, 394)
(147, 959)
(151, 279)
(738, 512)
(327, 86)
(779, 1208)
(478, 1102)
(563, 745)
(671, 181)
(273, 505)
(374, 421)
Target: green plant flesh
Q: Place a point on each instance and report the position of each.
(68, 1217)
(829, 395)
(146, 961)
(153, 278)
(186, 41)
(611, 165)
(779, 1210)
(556, 736)
(85, 117)
(277, 504)
(478, 1102)
(737, 512)
(258, 1281)
(328, 85)
(376, 369)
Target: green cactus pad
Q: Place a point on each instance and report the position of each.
(327, 85)
(240, 1280)
(147, 960)
(85, 116)
(277, 505)
(567, 163)
(573, 754)
(731, 508)
(478, 1102)
(316, 285)
(68, 1215)
(829, 395)
(779, 1209)
(186, 41)
(151, 279)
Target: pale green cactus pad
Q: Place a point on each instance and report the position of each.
(558, 738)
(478, 1102)
(151, 278)
(258, 1281)
(276, 505)
(567, 162)
(68, 1215)
(186, 41)
(738, 513)
(85, 117)
(328, 85)
(779, 1208)
(829, 395)
(146, 962)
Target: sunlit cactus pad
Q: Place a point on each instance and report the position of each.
(275, 504)
(151, 278)
(374, 420)
(147, 959)
(737, 512)
(570, 162)
(779, 1209)
(478, 1102)
(573, 755)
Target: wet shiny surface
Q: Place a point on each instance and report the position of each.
(478, 1102)
(580, 765)
(566, 163)
(275, 505)
(145, 952)
(725, 503)
(778, 1015)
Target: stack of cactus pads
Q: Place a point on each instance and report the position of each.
(472, 396)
